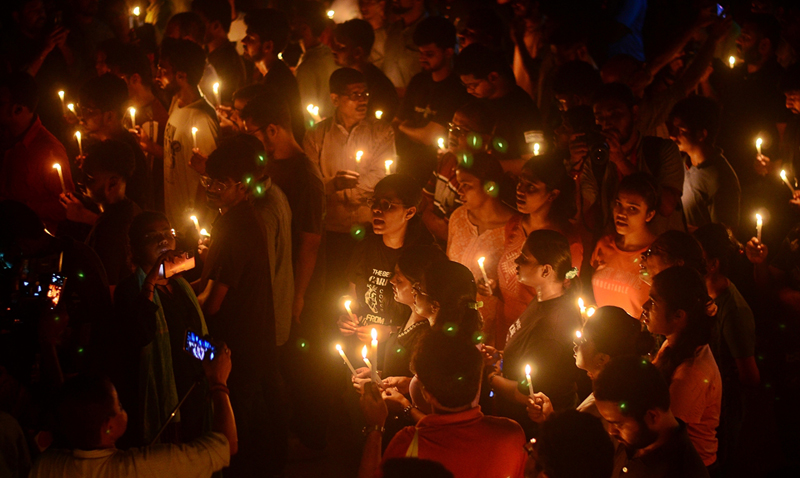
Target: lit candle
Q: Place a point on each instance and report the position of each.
(759, 141)
(440, 142)
(581, 305)
(536, 149)
(373, 373)
(346, 360)
(330, 14)
(61, 95)
(71, 107)
(732, 61)
(590, 311)
(350, 312)
(578, 334)
(481, 260)
(80, 143)
(378, 114)
(204, 233)
(359, 154)
(786, 180)
(132, 111)
(194, 220)
(759, 224)
(528, 378)
(57, 167)
(216, 93)
(388, 164)
(314, 112)
(374, 334)
(194, 137)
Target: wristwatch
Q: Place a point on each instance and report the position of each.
(372, 428)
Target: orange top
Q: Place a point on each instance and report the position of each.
(616, 280)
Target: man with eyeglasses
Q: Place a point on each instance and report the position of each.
(350, 150)
(432, 96)
(235, 292)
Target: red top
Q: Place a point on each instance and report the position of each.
(467, 443)
(27, 174)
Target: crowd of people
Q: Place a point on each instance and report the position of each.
(451, 238)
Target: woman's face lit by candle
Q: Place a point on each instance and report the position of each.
(401, 286)
(533, 196)
(423, 304)
(631, 214)
(529, 271)
(389, 215)
(656, 315)
(470, 190)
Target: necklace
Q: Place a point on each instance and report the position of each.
(408, 330)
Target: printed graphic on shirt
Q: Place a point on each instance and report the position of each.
(174, 146)
(426, 111)
(375, 296)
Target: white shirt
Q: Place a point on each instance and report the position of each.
(181, 182)
(199, 458)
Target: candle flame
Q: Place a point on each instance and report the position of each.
(313, 110)
(528, 370)
(330, 13)
(536, 149)
(378, 114)
(440, 141)
(578, 334)
(732, 61)
(136, 11)
(783, 175)
(358, 156)
(347, 306)
(374, 334)
(78, 135)
(590, 311)
(194, 130)
(481, 260)
(364, 352)
(132, 111)
(388, 163)
(204, 232)
(61, 95)
(71, 107)
(215, 87)
(581, 304)
(759, 142)
(57, 166)
(339, 348)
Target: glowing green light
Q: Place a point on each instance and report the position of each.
(500, 145)
(623, 406)
(399, 350)
(81, 275)
(450, 329)
(57, 318)
(465, 160)
(474, 140)
(80, 350)
(491, 188)
(261, 158)
(460, 379)
(358, 232)
(258, 189)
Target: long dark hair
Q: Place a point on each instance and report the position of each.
(549, 170)
(682, 288)
(551, 247)
(617, 334)
(452, 285)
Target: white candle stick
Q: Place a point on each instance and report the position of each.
(732, 61)
(536, 148)
(194, 220)
(132, 111)
(786, 180)
(346, 360)
(528, 378)
(759, 226)
(216, 93)
(204, 233)
(374, 334)
(481, 260)
(350, 312)
(61, 96)
(71, 107)
(314, 112)
(388, 164)
(80, 143)
(57, 167)
(378, 114)
(373, 373)
(194, 137)
(440, 143)
(759, 141)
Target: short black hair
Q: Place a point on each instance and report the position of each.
(549, 169)
(344, 77)
(699, 113)
(415, 259)
(572, 444)
(576, 78)
(214, 11)
(617, 334)
(719, 243)
(550, 247)
(479, 61)
(313, 14)
(136, 232)
(642, 184)
(766, 26)
(132, 60)
(449, 367)
(237, 158)
(267, 109)
(680, 246)
(189, 25)
(416, 467)
(107, 92)
(110, 156)
(615, 92)
(23, 89)
(247, 93)
(634, 384)
(185, 56)
(437, 30)
(85, 403)
(112, 47)
(483, 166)
(356, 33)
(270, 25)
(405, 187)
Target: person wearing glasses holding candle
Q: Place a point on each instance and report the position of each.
(27, 173)
(711, 192)
(333, 146)
(180, 69)
(477, 229)
(542, 336)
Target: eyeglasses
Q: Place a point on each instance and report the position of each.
(215, 185)
(356, 95)
(158, 236)
(382, 204)
(417, 289)
(458, 131)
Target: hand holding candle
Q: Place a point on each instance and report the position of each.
(57, 167)
(196, 223)
(528, 378)
(481, 260)
(759, 225)
(346, 360)
(759, 142)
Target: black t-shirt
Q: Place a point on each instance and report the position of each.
(282, 82)
(371, 267)
(400, 348)
(139, 187)
(425, 101)
(230, 69)
(515, 114)
(238, 258)
(382, 93)
(301, 182)
(109, 239)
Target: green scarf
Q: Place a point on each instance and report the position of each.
(157, 392)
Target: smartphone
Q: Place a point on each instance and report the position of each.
(198, 347)
(55, 289)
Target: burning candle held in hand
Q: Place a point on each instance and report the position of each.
(350, 312)
(759, 225)
(215, 87)
(132, 111)
(481, 260)
(80, 143)
(57, 167)
(194, 137)
(346, 360)
(528, 378)
(378, 114)
(388, 164)
(759, 142)
(786, 181)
